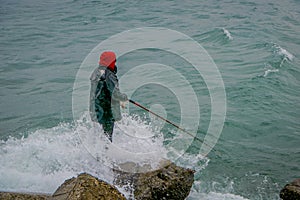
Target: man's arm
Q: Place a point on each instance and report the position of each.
(113, 86)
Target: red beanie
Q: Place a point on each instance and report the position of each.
(108, 59)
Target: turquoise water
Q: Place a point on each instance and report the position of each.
(255, 45)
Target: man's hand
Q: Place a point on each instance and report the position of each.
(123, 104)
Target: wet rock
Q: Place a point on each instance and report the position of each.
(84, 187)
(291, 191)
(19, 196)
(169, 182)
(87, 187)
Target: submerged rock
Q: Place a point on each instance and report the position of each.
(169, 182)
(291, 191)
(87, 187)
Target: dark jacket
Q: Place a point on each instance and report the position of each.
(105, 96)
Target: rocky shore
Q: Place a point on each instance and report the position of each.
(168, 182)
(291, 191)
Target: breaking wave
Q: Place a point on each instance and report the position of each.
(227, 33)
(43, 160)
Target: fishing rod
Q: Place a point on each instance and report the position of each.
(168, 121)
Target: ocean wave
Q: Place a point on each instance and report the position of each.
(217, 35)
(216, 196)
(227, 33)
(279, 57)
(283, 52)
(226, 192)
(47, 157)
(268, 71)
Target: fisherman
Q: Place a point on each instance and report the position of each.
(105, 95)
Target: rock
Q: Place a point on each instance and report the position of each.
(291, 191)
(86, 187)
(20, 196)
(168, 182)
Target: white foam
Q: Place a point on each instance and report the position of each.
(283, 52)
(227, 33)
(214, 193)
(133, 142)
(216, 196)
(47, 157)
(268, 71)
(287, 54)
(41, 162)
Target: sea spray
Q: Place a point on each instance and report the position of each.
(283, 52)
(227, 34)
(280, 56)
(268, 71)
(47, 157)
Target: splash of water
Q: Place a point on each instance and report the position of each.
(227, 33)
(283, 52)
(47, 157)
(280, 53)
(268, 71)
(44, 159)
